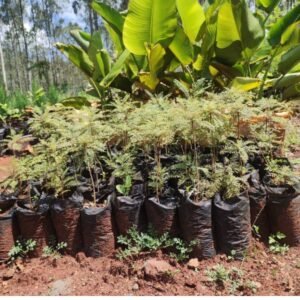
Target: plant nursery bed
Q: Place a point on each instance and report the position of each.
(260, 273)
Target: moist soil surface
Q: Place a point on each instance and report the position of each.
(261, 273)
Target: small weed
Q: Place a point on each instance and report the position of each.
(275, 246)
(238, 255)
(183, 249)
(232, 278)
(256, 231)
(251, 285)
(54, 249)
(218, 274)
(236, 279)
(135, 242)
(21, 249)
(169, 275)
(231, 256)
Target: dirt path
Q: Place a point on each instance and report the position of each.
(261, 273)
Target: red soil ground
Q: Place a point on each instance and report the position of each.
(263, 274)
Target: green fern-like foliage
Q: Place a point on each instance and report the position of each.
(281, 174)
(228, 183)
(157, 179)
(123, 169)
(151, 125)
(197, 181)
(238, 152)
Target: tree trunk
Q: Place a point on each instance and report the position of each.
(16, 48)
(28, 71)
(3, 69)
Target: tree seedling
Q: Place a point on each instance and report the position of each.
(123, 169)
(229, 185)
(281, 174)
(275, 245)
(152, 130)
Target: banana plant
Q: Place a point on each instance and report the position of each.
(276, 64)
(157, 41)
(171, 43)
(238, 49)
(197, 41)
(146, 33)
(95, 62)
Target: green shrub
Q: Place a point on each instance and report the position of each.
(21, 249)
(135, 243)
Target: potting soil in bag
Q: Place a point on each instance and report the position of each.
(6, 202)
(196, 225)
(162, 216)
(65, 216)
(36, 226)
(97, 231)
(258, 201)
(130, 212)
(283, 210)
(232, 224)
(8, 233)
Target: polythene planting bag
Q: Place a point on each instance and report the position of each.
(6, 202)
(195, 221)
(258, 162)
(162, 215)
(130, 211)
(258, 201)
(8, 233)
(65, 215)
(283, 210)
(232, 224)
(36, 226)
(3, 132)
(97, 231)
